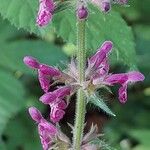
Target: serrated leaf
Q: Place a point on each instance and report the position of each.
(100, 104)
(100, 27)
(11, 98)
(22, 14)
(14, 52)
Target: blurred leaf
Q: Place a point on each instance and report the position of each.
(142, 31)
(9, 32)
(100, 27)
(2, 145)
(142, 135)
(12, 54)
(27, 138)
(100, 104)
(22, 14)
(11, 97)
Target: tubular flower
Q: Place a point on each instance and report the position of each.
(45, 73)
(49, 134)
(45, 13)
(105, 5)
(56, 102)
(97, 72)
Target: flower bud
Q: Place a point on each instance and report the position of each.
(31, 62)
(35, 114)
(82, 12)
(106, 6)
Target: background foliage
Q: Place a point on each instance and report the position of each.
(127, 27)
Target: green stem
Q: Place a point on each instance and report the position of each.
(81, 102)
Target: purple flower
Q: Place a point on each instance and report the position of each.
(56, 114)
(47, 131)
(35, 114)
(98, 68)
(56, 102)
(45, 73)
(51, 97)
(45, 13)
(124, 79)
(31, 62)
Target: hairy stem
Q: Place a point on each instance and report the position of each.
(81, 102)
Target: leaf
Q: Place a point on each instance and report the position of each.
(22, 14)
(100, 103)
(27, 138)
(13, 53)
(100, 27)
(11, 98)
(9, 32)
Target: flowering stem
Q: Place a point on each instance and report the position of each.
(81, 102)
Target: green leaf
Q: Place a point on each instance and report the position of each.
(22, 14)
(100, 104)
(27, 138)
(100, 27)
(12, 54)
(11, 98)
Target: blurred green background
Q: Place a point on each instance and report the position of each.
(19, 87)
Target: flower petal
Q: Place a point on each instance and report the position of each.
(49, 70)
(44, 81)
(56, 114)
(123, 93)
(135, 76)
(47, 133)
(35, 114)
(45, 13)
(48, 98)
(63, 91)
(31, 62)
(117, 78)
(101, 54)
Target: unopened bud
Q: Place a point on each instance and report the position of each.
(82, 12)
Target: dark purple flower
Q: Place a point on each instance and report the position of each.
(45, 13)
(82, 12)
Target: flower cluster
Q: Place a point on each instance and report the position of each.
(47, 7)
(96, 76)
